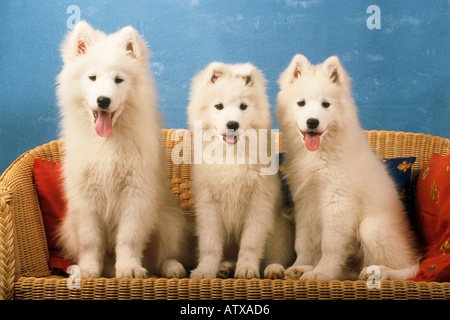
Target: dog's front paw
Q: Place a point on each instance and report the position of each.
(200, 274)
(226, 269)
(317, 275)
(173, 269)
(364, 275)
(246, 273)
(131, 272)
(274, 271)
(295, 272)
(90, 270)
(89, 274)
(367, 272)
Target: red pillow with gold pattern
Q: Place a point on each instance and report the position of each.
(432, 204)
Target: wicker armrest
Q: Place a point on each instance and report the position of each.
(7, 259)
(23, 252)
(25, 273)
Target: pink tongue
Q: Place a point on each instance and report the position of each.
(103, 124)
(312, 141)
(230, 139)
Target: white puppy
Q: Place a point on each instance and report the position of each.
(348, 215)
(236, 190)
(120, 208)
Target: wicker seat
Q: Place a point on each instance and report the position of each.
(25, 273)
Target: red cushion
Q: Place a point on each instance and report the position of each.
(47, 177)
(432, 204)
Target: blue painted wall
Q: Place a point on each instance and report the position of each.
(400, 72)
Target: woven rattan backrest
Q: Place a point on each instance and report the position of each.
(391, 144)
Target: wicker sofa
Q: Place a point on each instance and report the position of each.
(25, 273)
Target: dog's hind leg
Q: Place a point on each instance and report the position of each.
(386, 273)
(389, 247)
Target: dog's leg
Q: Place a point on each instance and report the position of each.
(136, 221)
(391, 274)
(339, 230)
(307, 246)
(279, 252)
(129, 251)
(210, 241)
(82, 234)
(257, 227)
(172, 245)
(387, 242)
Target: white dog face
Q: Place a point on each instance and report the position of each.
(229, 99)
(105, 64)
(105, 90)
(309, 98)
(230, 116)
(313, 116)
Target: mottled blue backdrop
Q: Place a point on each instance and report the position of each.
(400, 72)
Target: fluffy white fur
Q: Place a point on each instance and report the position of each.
(121, 218)
(347, 212)
(238, 210)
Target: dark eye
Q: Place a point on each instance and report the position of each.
(118, 80)
(92, 78)
(325, 104)
(301, 103)
(219, 106)
(243, 106)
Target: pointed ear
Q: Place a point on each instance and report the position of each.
(133, 43)
(216, 74)
(78, 41)
(85, 37)
(214, 71)
(335, 70)
(246, 72)
(298, 66)
(247, 79)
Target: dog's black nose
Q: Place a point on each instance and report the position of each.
(103, 102)
(312, 123)
(233, 125)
